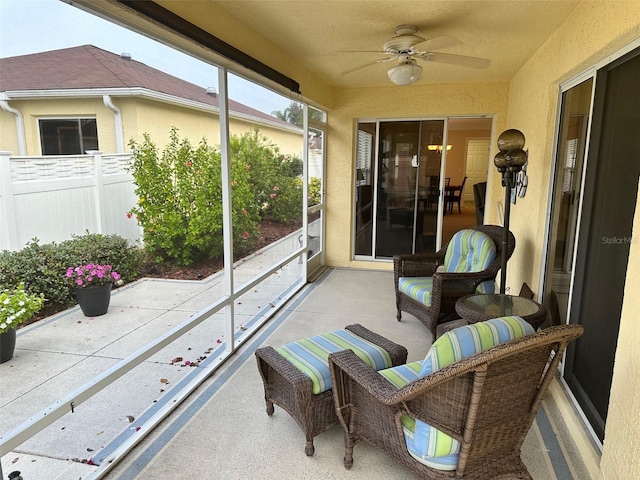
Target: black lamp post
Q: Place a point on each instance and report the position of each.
(509, 162)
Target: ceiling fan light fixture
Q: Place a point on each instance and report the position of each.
(405, 73)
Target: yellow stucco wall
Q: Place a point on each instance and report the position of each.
(389, 102)
(592, 32)
(139, 116)
(32, 110)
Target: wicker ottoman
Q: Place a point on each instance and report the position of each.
(291, 389)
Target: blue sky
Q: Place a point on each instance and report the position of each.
(30, 26)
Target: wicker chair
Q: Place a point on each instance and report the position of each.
(487, 402)
(448, 287)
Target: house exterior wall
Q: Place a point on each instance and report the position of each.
(389, 102)
(139, 116)
(592, 32)
(33, 110)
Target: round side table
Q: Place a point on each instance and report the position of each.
(480, 307)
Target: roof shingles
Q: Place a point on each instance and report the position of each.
(89, 67)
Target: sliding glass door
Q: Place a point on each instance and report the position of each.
(593, 205)
(404, 181)
(407, 187)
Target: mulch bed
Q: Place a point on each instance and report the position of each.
(269, 233)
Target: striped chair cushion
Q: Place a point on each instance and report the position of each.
(418, 288)
(427, 444)
(403, 374)
(468, 251)
(310, 355)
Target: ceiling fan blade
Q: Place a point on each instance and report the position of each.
(360, 67)
(438, 43)
(363, 51)
(392, 56)
(451, 59)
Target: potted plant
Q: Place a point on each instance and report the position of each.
(16, 306)
(92, 284)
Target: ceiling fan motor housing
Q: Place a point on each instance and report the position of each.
(404, 40)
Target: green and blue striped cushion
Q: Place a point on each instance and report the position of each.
(468, 251)
(403, 374)
(425, 443)
(311, 355)
(418, 288)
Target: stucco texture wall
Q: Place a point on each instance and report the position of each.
(33, 110)
(8, 135)
(139, 116)
(157, 119)
(593, 31)
(389, 102)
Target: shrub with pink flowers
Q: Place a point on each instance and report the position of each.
(179, 206)
(91, 275)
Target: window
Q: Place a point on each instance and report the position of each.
(68, 136)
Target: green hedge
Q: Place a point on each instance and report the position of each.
(179, 193)
(42, 268)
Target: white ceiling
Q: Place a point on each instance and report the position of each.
(326, 36)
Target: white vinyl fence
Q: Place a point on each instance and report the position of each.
(54, 197)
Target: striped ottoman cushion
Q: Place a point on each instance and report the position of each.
(311, 355)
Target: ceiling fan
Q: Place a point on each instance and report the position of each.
(405, 47)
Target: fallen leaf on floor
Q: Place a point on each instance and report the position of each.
(161, 390)
(15, 460)
(89, 449)
(90, 462)
(130, 418)
(218, 341)
(79, 321)
(137, 428)
(272, 305)
(164, 380)
(244, 329)
(100, 432)
(176, 360)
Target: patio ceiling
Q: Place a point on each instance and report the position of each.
(326, 37)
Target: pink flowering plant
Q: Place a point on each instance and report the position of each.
(91, 275)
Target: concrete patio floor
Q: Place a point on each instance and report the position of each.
(221, 430)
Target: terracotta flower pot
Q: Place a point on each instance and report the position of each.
(94, 301)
